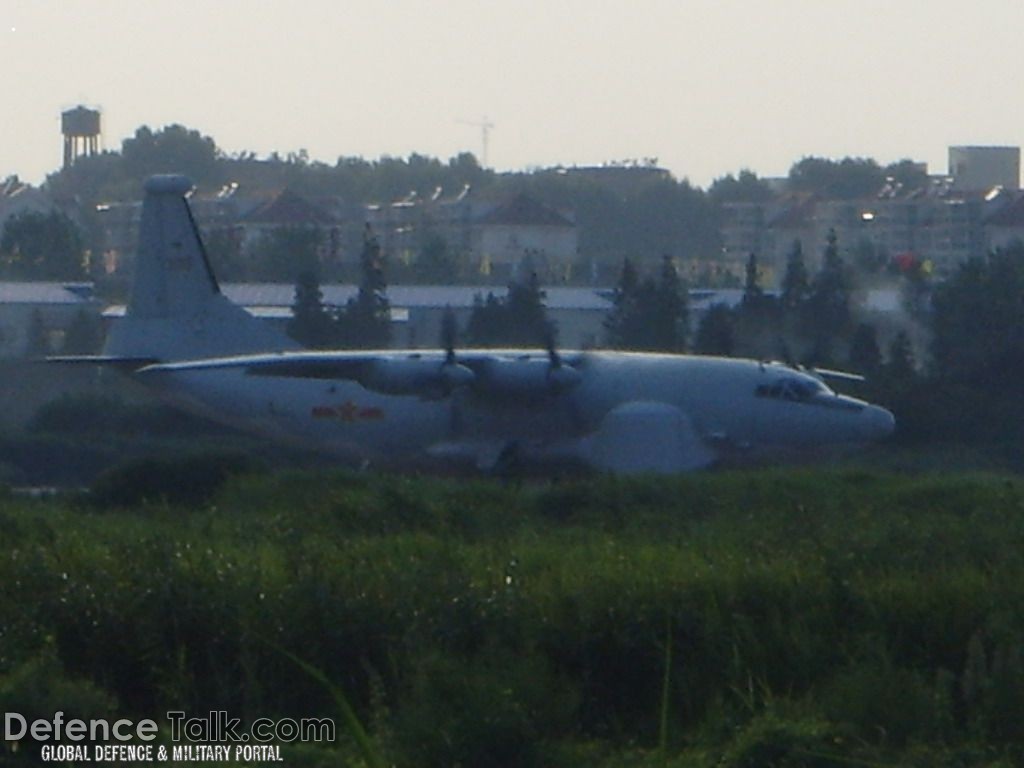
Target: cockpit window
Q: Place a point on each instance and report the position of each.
(792, 389)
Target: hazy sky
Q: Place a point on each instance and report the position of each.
(707, 87)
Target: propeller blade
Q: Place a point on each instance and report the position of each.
(549, 343)
(449, 335)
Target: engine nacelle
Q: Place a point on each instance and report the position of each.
(526, 378)
(415, 376)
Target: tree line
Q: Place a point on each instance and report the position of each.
(641, 214)
(951, 369)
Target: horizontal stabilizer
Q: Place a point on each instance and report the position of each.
(121, 362)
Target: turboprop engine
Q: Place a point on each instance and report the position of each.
(415, 376)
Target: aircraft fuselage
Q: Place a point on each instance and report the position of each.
(732, 405)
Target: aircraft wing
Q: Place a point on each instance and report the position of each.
(495, 373)
(302, 365)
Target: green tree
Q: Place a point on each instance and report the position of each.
(365, 322)
(283, 253)
(173, 149)
(716, 333)
(435, 264)
(846, 179)
(978, 323)
(865, 356)
(37, 339)
(84, 336)
(796, 285)
(224, 247)
(525, 313)
(669, 307)
(42, 246)
(311, 324)
(827, 308)
(649, 314)
(620, 324)
(909, 174)
(752, 291)
(744, 188)
(518, 319)
(900, 366)
(486, 326)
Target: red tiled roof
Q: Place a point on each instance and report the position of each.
(289, 208)
(796, 213)
(523, 211)
(1010, 216)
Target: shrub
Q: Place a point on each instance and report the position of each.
(189, 481)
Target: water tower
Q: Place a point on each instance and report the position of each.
(81, 129)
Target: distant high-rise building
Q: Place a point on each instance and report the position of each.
(81, 129)
(977, 168)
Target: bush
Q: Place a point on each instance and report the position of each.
(40, 687)
(189, 481)
(811, 616)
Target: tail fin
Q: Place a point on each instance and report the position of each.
(176, 310)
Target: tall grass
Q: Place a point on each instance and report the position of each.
(817, 618)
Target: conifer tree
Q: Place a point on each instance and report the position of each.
(716, 334)
(365, 321)
(865, 356)
(670, 309)
(795, 282)
(518, 319)
(900, 366)
(311, 324)
(84, 336)
(619, 323)
(649, 314)
(830, 296)
(752, 291)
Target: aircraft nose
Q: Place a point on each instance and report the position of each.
(878, 423)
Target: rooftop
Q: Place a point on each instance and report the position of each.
(46, 293)
(412, 296)
(524, 211)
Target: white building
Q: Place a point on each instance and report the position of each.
(974, 168)
(54, 307)
(416, 310)
(524, 230)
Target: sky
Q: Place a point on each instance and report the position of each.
(707, 87)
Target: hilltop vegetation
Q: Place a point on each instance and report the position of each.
(631, 209)
(790, 618)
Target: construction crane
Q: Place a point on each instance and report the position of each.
(485, 126)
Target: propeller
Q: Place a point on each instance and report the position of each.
(453, 374)
(449, 335)
(549, 344)
(559, 377)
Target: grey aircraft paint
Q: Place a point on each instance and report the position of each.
(625, 412)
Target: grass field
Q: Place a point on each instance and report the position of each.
(787, 617)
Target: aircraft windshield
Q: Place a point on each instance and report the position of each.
(792, 389)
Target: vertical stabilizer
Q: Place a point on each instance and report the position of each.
(173, 277)
(176, 310)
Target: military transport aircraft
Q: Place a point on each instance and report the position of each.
(615, 411)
